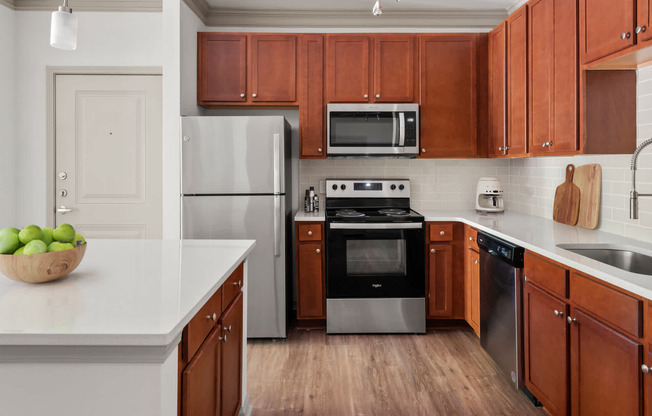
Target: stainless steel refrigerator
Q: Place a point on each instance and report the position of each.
(236, 184)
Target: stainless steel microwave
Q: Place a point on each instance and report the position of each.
(373, 130)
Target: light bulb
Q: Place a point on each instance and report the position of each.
(63, 28)
(378, 8)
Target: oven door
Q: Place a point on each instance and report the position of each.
(375, 260)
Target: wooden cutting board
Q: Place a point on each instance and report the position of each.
(567, 200)
(589, 179)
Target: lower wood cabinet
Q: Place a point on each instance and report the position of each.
(311, 281)
(210, 376)
(472, 289)
(444, 270)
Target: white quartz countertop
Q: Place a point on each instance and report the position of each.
(128, 293)
(541, 235)
(310, 216)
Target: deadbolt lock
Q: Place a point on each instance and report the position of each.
(63, 192)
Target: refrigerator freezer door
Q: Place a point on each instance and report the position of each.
(233, 155)
(248, 217)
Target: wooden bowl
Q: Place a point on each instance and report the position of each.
(39, 268)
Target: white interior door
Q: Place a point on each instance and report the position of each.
(108, 154)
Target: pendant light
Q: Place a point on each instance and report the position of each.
(63, 29)
(378, 8)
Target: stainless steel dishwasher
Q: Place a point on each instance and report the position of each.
(501, 295)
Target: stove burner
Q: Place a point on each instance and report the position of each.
(394, 212)
(348, 213)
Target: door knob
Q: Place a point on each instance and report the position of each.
(63, 210)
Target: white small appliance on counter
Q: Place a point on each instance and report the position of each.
(489, 195)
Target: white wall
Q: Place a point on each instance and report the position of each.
(190, 25)
(104, 39)
(8, 138)
(532, 181)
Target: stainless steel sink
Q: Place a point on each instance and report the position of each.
(626, 258)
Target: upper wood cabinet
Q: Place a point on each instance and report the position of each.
(606, 27)
(250, 69)
(449, 94)
(498, 90)
(517, 40)
(554, 77)
(312, 143)
(367, 69)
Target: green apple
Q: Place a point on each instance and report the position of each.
(35, 247)
(65, 233)
(9, 241)
(20, 251)
(57, 246)
(30, 233)
(47, 235)
(79, 240)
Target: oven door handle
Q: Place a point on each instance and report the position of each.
(375, 226)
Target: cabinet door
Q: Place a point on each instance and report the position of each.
(394, 69)
(498, 90)
(517, 83)
(644, 18)
(231, 359)
(311, 106)
(448, 96)
(440, 280)
(606, 26)
(472, 290)
(606, 376)
(222, 68)
(648, 382)
(347, 69)
(273, 68)
(200, 381)
(310, 281)
(541, 74)
(545, 343)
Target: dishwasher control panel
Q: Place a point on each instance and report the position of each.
(497, 247)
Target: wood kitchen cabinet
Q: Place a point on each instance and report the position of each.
(471, 279)
(312, 144)
(517, 69)
(246, 69)
(452, 83)
(498, 90)
(311, 280)
(609, 26)
(371, 68)
(445, 271)
(211, 352)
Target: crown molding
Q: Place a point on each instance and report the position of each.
(515, 6)
(222, 17)
(90, 5)
(9, 3)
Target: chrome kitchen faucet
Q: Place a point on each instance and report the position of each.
(633, 196)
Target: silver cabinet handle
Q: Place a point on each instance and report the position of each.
(637, 30)
(432, 250)
(319, 149)
(506, 148)
(471, 239)
(309, 233)
(645, 369)
(423, 150)
(63, 210)
(625, 35)
(441, 233)
(228, 329)
(544, 144)
(222, 338)
(643, 29)
(318, 251)
(500, 148)
(254, 95)
(377, 95)
(238, 283)
(212, 317)
(475, 262)
(570, 320)
(242, 95)
(558, 313)
(366, 96)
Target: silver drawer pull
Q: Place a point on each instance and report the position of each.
(309, 233)
(558, 313)
(318, 251)
(441, 233)
(238, 283)
(432, 250)
(212, 317)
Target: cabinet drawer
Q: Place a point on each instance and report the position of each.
(201, 324)
(232, 286)
(547, 275)
(441, 232)
(471, 238)
(619, 309)
(309, 232)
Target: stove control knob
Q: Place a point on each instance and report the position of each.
(401, 187)
(334, 187)
(392, 187)
(343, 186)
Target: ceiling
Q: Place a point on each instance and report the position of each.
(388, 5)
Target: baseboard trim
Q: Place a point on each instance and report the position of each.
(246, 409)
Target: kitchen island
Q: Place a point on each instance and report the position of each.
(104, 340)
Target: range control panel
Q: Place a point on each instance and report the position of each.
(367, 188)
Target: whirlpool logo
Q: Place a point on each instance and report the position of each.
(376, 285)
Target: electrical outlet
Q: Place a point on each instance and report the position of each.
(322, 187)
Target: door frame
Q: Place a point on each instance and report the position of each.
(51, 73)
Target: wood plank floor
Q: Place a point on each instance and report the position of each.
(444, 372)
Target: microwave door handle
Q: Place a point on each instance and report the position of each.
(401, 129)
(395, 133)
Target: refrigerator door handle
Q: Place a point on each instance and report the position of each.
(277, 225)
(277, 162)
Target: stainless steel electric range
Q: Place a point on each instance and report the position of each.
(375, 258)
